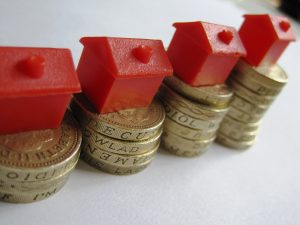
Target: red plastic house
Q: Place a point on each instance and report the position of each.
(119, 73)
(265, 37)
(204, 53)
(35, 87)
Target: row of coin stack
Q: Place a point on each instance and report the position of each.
(196, 98)
(120, 120)
(256, 80)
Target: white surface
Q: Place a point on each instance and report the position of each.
(258, 186)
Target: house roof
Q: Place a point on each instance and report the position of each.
(213, 38)
(28, 71)
(277, 26)
(129, 57)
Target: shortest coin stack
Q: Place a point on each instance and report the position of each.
(122, 142)
(193, 115)
(34, 165)
(255, 88)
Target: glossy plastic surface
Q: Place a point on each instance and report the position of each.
(35, 87)
(28, 71)
(32, 113)
(204, 53)
(265, 37)
(120, 73)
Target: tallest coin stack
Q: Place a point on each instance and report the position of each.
(257, 79)
(196, 98)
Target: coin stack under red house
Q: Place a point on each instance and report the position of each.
(39, 142)
(257, 78)
(196, 98)
(120, 120)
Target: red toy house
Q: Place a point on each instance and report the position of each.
(119, 73)
(265, 37)
(35, 87)
(204, 53)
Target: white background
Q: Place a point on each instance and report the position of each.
(258, 186)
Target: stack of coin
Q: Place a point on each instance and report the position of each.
(193, 115)
(255, 88)
(122, 142)
(35, 165)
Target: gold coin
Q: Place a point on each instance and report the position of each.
(173, 149)
(32, 196)
(188, 121)
(243, 116)
(40, 155)
(119, 146)
(248, 107)
(237, 135)
(188, 133)
(115, 170)
(117, 159)
(236, 144)
(184, 147)
(129, 124)
(271, 76)
(216, 95)
(188, 107)
(249, 95)
(249, 81)
(230, 123)
(32, 186)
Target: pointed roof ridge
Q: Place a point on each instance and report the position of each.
(182, 25)
(58, 72)
(118, 58)
(206, 36)
(274, 23)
